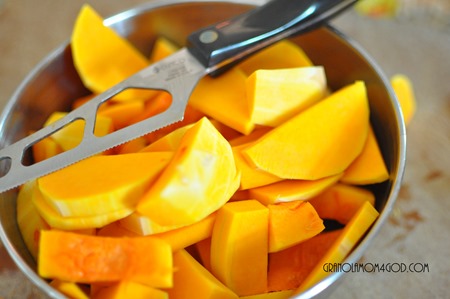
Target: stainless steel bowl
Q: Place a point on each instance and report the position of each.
(54, 84)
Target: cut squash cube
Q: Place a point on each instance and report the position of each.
(192, 280)
(404, 91)
(319, 142)
(71, 289)
(283, 54)
(291, 223)
(102, 184)
(129, 289)
(162, 48)
(200, 178)
(239, 247)
(87, 259)
(368, 167)
(277, 95)
(340, 202)
(290, 190)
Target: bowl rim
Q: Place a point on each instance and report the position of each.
(355, 255)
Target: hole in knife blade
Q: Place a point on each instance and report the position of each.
(62, 140)
(5, 166)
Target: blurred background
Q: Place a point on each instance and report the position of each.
(410, 37)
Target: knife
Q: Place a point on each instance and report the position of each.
(209, 51)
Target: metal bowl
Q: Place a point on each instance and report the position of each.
(54, 84)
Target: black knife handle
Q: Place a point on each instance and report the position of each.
(227, 42)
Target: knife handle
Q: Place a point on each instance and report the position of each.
(222, 45)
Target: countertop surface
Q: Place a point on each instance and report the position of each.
(417, 230)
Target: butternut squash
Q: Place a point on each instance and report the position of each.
(129, 289)
(277, 95)
(132, 146)
(162, 48)
(203, 250)
(87, 188)
(270, 295)
(29, 220)
(404, 91)
(239, 247)
(368, 167)
(45, 148)
(103, 58)
(199, 179)
(71, 289)
(291, 223)
(122, 113)
(169, 142)
(192, 280)
(71, 135)
(144, 225)
(114, 229)
(283, 54)
(319, 142)
(340, 202)
(289, 267)
(290, 190)
(216, 97)
(85, 259)
(343, 245)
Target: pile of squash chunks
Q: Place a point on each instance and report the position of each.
(231, 202)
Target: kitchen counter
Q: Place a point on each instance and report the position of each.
(417, 229)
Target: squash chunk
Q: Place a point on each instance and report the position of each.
(101, 184)
(289, 267)
(86, 259)
(291, 223)
(343, 245)
(340, 202)
(129, 289)
(162, 48)
(290, 190)
(368, 167)
(405, 93)
(71, 135)
(189, 235)
(29, 220)
(45, 148)
(271, 295)
(122, 113)
(70, 289)
(239, 247)
(319, 142)
(199, 179)
(275, 96)
(103, 58)
(283, 54)
(217, 97)
(192, 280)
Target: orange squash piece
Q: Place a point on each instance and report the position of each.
(217, 97)
(353, 231)
(169, 142)
(368, 167)
(404, 91)
(162, 48)
(291, 223)
(289, 267)
(239, 247)
(72, 134)
(271, 295)
(70, 289)
(129, 289)
(45, 148)
(55, 220)
(290, 190)
(283, 54)
(122, 113)
(199, 179)
(277, 95)
(132, 146)
(102, 184)
(340, 202)
(203, 250)
(87, 259)
(192, 280)
(103, 58)
(319, 142)
(253, 136)
(114, 229)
